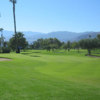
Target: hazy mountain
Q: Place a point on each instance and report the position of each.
(61, 35)
(86, 35)
(30, 36)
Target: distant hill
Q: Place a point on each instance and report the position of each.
(86, 35)
(61, 35)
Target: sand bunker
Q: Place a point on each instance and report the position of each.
(5, 59)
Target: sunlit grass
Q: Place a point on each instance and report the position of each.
(43, 75)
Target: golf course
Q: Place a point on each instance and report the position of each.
(43, 75)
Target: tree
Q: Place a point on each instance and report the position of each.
(88, 44)
(1, 39)
(98, 36)
(14, 16)
(6, 44)
(48, 44)
(22, 43)
(53, 43)
(68, 45)
(76, 45)
(1, 29)
(64, 46)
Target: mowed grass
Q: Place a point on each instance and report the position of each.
(42, 75)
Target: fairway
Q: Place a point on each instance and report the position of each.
(42, 75)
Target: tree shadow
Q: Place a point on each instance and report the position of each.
(26, 53)
(34, 56)
(36, 52)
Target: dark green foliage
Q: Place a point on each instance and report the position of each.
(64, 46)
(68, 45)
(6, 50)
(89, 44)
(53, 43)
(48, 44)
(75, 45)
(21, 41)
(98, 36)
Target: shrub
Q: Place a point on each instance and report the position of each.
(6, 50)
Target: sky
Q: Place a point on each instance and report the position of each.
(51, 15)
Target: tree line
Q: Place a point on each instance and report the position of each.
(49, 44)
(53, 44)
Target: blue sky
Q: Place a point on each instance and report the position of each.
(52, 15)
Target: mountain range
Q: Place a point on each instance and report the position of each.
(63, 36)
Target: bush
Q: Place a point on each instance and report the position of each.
(6, 50)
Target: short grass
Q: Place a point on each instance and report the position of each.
(42, 75)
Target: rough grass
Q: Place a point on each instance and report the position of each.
(42, 75)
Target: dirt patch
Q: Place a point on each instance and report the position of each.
(5, 59)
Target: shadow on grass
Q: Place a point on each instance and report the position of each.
(34, 56)
(26, 53)
(36, 52)
(5, 57)
(59, 52)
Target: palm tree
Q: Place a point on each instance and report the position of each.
(1, 39)
(14, 16)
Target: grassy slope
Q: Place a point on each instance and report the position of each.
(39, 75)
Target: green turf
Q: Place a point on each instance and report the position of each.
(42, 75)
